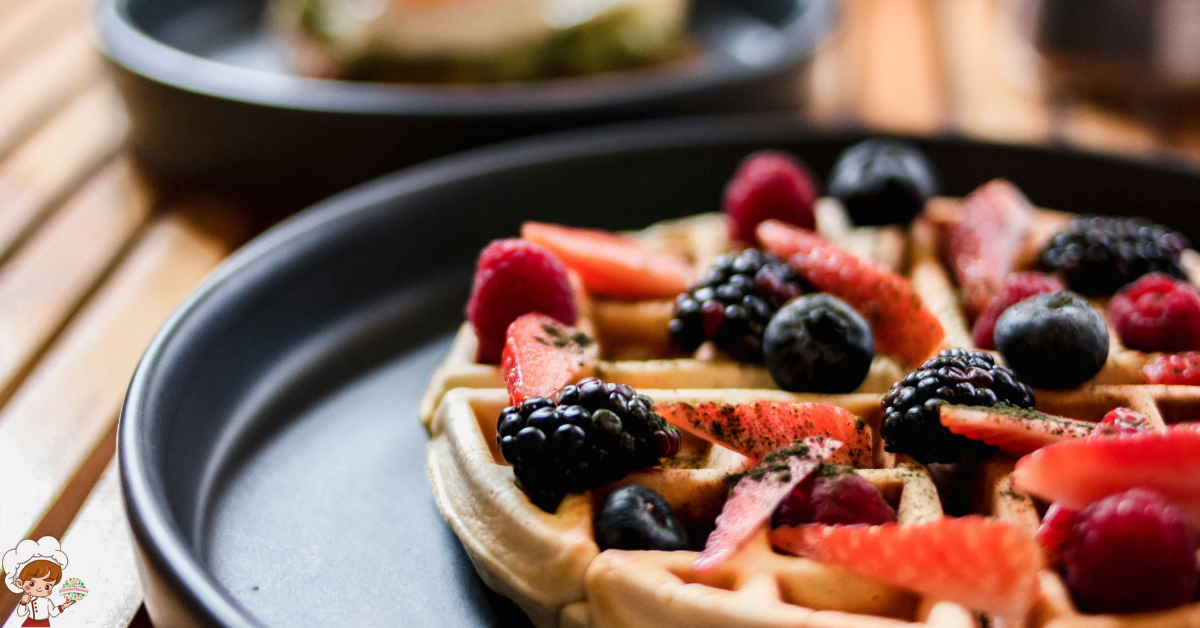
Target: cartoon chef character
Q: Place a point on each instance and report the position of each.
(32, 569)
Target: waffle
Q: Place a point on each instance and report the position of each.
(550, 563)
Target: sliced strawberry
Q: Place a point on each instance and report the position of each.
(1055, 528)
(611, 265)
(758, 494)
(541, 355)
(1017, 431)
(982, 564)
(984, 240)
(758, 428)
(900, 322)
(1080, 471)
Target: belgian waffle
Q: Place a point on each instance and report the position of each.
(550, 563)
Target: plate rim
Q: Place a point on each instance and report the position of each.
(137, 51)
(160, 541)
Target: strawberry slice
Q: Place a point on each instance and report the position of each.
(611, 265)
(756, 429)
(1017, 431)
(541, 355)
(758, 494)
(984, 240)
(1080, 471)
(900, 322)
(982, 564)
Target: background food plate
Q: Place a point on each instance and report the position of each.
(271, 457)
(213, 104)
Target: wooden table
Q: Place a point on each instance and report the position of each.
(93, 260)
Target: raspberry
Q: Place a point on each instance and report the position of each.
(1130, 552)
(1174, 369)
(1016, 288)
(834, 495)
(595, 434)
(1157, 313)
(769, 184)
(515, 277)
(1120, 421)
(1055, 530)
(1099, 255)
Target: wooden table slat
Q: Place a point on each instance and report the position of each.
(49, 277)
(985, 103)
(32, 92)
(56, 432)
(29, 28)
(47, 167)
(100, 553)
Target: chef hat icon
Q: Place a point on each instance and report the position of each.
(27, 551)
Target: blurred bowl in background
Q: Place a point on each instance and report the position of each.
(213, 104)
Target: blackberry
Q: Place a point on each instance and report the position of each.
(911, 422)
(595, 434)
(1098, 255)
(732, 302)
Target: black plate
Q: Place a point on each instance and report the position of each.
(212, 103)
(272, 460)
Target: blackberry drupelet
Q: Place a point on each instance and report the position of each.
(732, 302)
(1098, 255)
(911, 422)
(595, 434)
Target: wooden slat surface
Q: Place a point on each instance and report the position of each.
(57, 431)
(90, 264)
(51, 163)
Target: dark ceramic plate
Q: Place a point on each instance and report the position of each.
(273, 464)
(213, 104)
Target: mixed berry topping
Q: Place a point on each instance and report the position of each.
(769, 184)
(1174, 369)
(1121, 421)
(901, 324)
(817, 343)
(911, 409)
(1053, 340)
(638, 518)
(1157, 313)
(515, 277)
(595, 433)
(732, 302)
(834, 495)
(1130, 552)
(882, 182)
(1016, 288)
(1098, 255)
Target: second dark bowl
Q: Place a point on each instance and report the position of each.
(213, 106)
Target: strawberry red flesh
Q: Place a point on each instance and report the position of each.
(900, 322)
(982, 564)
(1017, 431)
(755, 429)
(1080, 471)
(984, 240)
(541, 355)
(611, 265)
(757, 495)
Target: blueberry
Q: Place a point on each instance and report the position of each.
(637, 518)
(817, 343)
(1053, 340)
(882, 182)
